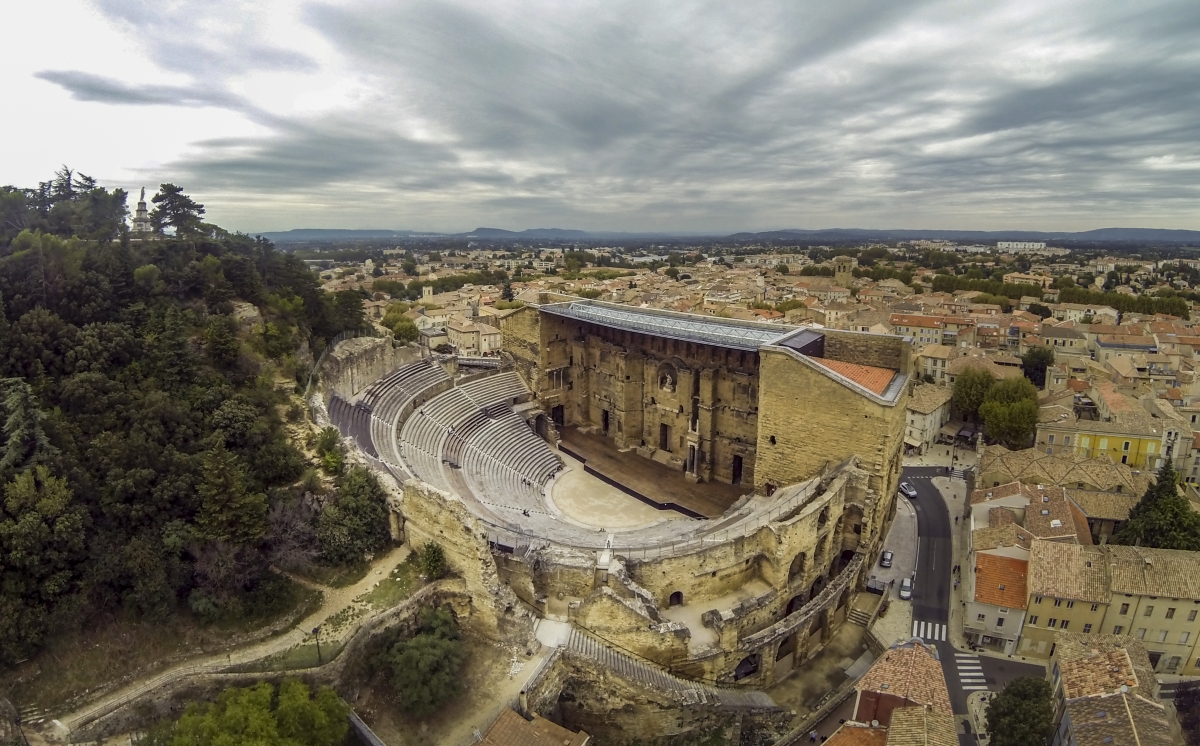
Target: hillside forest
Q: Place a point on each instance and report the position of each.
(145, 467)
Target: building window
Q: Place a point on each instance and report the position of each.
(1064, 624)
(999, 621)
(1192, 615)
(1170, 612)
(1126, 446)
(1070, 604)
(1037, 599)
(1141, 635)
(1149, 610)
(1124, 609)
(1087, 628)
(1058, 602)
(1095, 607)
(1033, 621)
(1050, 440)
(1052, 623)
(1184, 637)
(1118, 629)
(1104, 444)
(1162, 635)
(981, 617)
(1066, 440)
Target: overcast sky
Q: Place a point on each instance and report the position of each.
(619, 115)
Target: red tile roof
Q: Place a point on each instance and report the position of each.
(1000, 581)
(869, 377)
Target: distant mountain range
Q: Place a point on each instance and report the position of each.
(831, 235)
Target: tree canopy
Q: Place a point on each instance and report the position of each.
(425, 668)
(141, 446)
(1163, 518)
(970, 388)
(1010, 412)
(259, 715)
(1034, 364)
(1022, 714)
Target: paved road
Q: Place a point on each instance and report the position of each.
(965, 672)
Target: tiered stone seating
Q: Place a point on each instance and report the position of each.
(352, 421)
(503, 387)
(387, 400)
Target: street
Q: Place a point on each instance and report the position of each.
(965, 672)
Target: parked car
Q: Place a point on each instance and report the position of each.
(885, 559)
(906, 587)
(908, 489)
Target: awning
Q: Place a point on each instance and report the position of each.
(913, 442)
(951, 430)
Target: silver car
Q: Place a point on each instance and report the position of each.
(906, 587)
(908, 489)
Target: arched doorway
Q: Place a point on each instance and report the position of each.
(676, 599)
(817, 586)
(747, 667)
(797, 603)
(798, 566)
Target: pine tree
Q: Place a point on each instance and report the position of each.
(1163, 518)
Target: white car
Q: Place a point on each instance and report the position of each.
(906, 587)
(908, 489)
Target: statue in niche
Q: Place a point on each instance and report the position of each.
(667, 383)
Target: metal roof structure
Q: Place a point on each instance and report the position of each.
(688, 327)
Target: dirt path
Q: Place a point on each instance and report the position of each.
(336, 601)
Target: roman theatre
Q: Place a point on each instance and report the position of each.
(698, 494)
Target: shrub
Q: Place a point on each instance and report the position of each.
(433, 560)
(425, 668)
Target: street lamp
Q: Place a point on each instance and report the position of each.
(17, 722)
(317, 634)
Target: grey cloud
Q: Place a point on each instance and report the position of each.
(642, 115)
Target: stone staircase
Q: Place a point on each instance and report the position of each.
(650, 676)
(860, 617)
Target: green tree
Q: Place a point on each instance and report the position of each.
(1010, 412)
(970, 388)
(228, 510)
(1034, 363)
(1163, 518)
(425, 669)
(255, 715)
(1187, 706)
(405, 330)
(506, 291)
(781, 269)
(221, 342)
(355, 523)
(1022, 714)
(176, 209)
(433, 560)
(42, 541)
(672, 272)
(1041, 310)
(25, 442)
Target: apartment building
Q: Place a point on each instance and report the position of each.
(923, 329)
(1068, 588)
(1105, 692)
(928, 411)
(1156, 599)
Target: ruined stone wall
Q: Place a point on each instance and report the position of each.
(356, 363)
(432, 515)
(521, 339)
(616, 712)
(808, 420)
(622, 621)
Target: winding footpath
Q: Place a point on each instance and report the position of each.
(335, 601)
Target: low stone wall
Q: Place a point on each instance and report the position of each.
(357, 363)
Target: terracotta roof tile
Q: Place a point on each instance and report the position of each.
(1000, 581)
(856, 735)
(510, 729)
(869, 377)
(1071, 571)
(916, 726)
(911, 671)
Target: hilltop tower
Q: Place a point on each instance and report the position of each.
(141, 228)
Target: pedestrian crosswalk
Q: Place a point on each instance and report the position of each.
(929, 631)
(970, 672)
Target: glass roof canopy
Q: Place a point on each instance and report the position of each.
(688, 327)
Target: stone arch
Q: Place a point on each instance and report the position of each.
(817, 586)
(666, 377)
(798, 567)
(823, 516)
(796, 603)
(748, 666)
(844, 598)
(787, 646)
(676, 599)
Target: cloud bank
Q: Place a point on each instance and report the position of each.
(674, 116)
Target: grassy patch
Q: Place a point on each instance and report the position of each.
(301, 656)
(396, 587)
